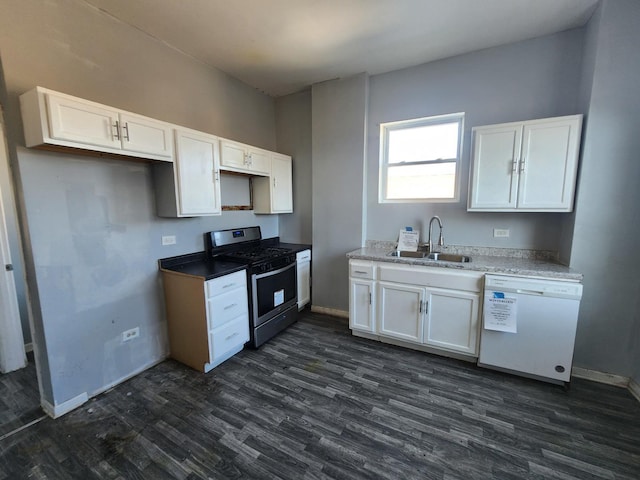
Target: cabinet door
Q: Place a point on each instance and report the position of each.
(549, 164)
(198, 174)
(145, 135)
(494, 180)
(361, 305)
(400, 311)
(233, 154)
(281, 184)
(304, 281)
(76, 121)
(452, 320)
(259, 161)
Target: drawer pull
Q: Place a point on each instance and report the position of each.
(229, 337)
(360, 272)
(230, 306)
(228, 285)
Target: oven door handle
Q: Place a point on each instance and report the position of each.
(274, 272)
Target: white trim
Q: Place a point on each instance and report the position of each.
(330, 311)
(634, 388)
(130, 375)
(600, 377)
(12, 354)
(55, 411)
(60, 409)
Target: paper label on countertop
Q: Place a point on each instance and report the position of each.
(408, 241)
(278, 297)
(501, 313)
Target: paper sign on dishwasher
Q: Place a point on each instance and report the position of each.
(500, 313)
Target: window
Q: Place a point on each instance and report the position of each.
(420, 159)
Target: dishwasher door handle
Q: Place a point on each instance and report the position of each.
(529, 292)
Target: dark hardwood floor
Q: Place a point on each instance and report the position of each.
(19, 398)
(317, 403)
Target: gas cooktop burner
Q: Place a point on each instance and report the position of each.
(260, 253)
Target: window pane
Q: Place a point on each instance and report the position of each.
(421, 181)
(429, 142)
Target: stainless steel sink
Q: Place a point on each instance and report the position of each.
(448, 257)
(403, 253)
(441, 257)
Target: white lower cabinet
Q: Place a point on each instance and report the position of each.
(361, 306)
(362, 299)
(401, 311)
(208, 321)
(452, 320)
(430, 307)
(303, 273)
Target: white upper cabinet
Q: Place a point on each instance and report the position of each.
(241, 158)
(525, 166)
(274, 194)
(53, 118)
(191, 185)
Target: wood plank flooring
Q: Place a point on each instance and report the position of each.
(19, 398)
(317, 403)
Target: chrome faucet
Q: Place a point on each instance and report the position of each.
(441, 239)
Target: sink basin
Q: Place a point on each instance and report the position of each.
(441, 257)
(402, 253)
(448, 257)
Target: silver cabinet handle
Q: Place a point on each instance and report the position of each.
(216, 175)
(228, 285)
(522, 166)
(360, 272)
(515, 165)
(230, 306)
(274, 182)
(125, 128)
(231, 336)
(426, 307)
(116, 125)
(420, 306)
(370, 298)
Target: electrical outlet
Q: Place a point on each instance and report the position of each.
(130, 334)
(168, 240)
(501, 232)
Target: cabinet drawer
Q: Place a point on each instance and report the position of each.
(304, 256)
(227, 306)
(227, 283)
(228, 337)
(432, 277)
(361, 269)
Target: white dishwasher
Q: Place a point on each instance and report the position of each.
(529, 326)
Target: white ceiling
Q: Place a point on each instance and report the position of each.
(282, 46)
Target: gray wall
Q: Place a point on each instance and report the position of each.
(338, 133)
(92, 237)
(521, 81)
(293, 135)
(607, 226)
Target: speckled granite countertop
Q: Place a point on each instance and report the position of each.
(490, 260)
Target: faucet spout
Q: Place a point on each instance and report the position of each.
(441, 237)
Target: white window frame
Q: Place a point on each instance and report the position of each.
(385, 128)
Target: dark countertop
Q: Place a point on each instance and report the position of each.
(198, 265)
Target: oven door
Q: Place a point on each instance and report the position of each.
(273, 292)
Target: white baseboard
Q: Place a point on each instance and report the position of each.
(55, 411)
(330, 311)
(600, 377)
(634, 388)
(60, 409)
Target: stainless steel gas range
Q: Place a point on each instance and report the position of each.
(271, 272)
